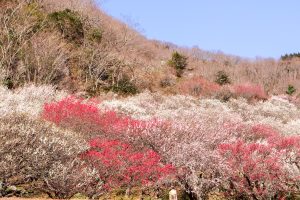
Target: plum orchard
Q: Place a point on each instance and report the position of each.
(252, 161)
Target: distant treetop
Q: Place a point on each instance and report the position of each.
(290, 56)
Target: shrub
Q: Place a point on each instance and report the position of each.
(290, 90)
(8, 83)
(250, 91)
(198, 86)
(224, 94)
(69, 24)
(124, 86)
(222, 78)
(34, 9)
(95, 35)
(179, 62)
(167, 82)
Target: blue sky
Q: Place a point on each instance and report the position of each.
(265, 28)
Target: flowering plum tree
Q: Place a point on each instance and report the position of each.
(120, 165)
(264, 168)
(250, 91)
(81, 116)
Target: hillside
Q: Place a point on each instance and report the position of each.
(90, 108)
(74, 45)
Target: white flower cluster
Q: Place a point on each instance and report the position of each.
(28, 100)
(276, 112)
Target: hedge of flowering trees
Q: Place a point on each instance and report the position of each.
(82, 146)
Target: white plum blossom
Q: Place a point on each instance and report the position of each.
(28, 100)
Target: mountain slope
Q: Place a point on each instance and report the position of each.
(74, 45)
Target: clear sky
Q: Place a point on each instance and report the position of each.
(247, 28)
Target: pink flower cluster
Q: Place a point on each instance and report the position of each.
(74, 113)
(120, 165)
(250, 91)
(199, 86)
(262, 168)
